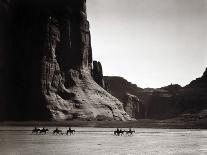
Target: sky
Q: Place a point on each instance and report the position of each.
(151, 43)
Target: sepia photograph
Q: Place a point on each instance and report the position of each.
(103, 77)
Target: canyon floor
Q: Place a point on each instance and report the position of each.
(93, 141)
(182, 122)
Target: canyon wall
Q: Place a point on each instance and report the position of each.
(48, 64)
(162, 103)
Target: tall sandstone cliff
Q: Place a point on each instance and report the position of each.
(47, 68)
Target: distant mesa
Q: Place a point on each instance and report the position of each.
(160, 103)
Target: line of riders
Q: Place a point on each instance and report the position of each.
(55, 132)
(120, 132)
(117, 132)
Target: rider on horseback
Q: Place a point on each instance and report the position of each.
(70, 131)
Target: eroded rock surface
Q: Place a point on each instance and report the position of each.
(166, 102)
(98, 73)
(133, 106)
(51, 75)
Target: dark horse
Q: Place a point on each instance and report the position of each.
(57, 131)
(70, 131)
(36, 130)
(43, 130)
(119, 132)
(130, 132)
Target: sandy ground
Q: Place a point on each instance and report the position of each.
(101, 141)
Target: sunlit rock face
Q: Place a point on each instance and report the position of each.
(133, 106)
(50, 67)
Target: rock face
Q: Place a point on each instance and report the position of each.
(199, 82)
(119, 87)
(133, 106)
(98, 73)
(127, 93)
(165, 102)
(49, 74)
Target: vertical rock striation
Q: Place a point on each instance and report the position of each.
(98, 73)
(50, 75)
(133, 106)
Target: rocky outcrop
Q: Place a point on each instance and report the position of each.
(133, 106)
(200, 82)
(119, 87)
(128, 93)
(51, 65)
(98, 73)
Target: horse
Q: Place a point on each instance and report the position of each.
(35, 130)
(119, 132)
(116, 133)
(130, 132)
(70, 131)
(57, 131)
(43, 130)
